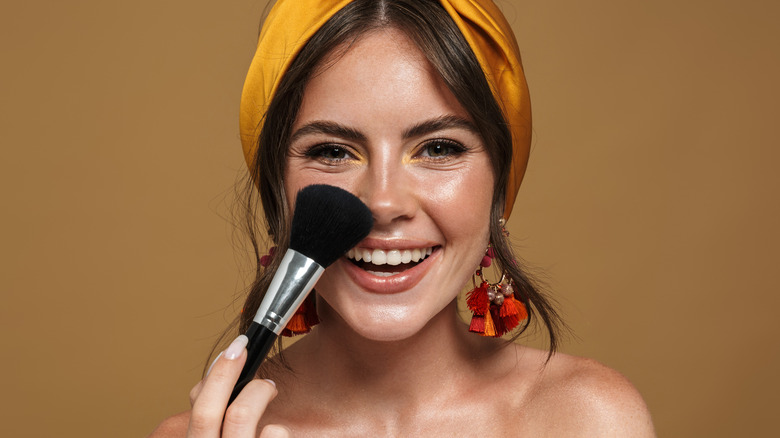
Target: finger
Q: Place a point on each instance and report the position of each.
(199, 386)
(243, 415)
(213, 362)
(275, 431)
(211, 401)
(195, 391)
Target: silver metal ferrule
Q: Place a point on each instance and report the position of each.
(295, 278)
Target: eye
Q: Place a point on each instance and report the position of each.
(329, 153)
(441, 148)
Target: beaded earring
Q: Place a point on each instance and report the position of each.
(306, 316)
(494, 307)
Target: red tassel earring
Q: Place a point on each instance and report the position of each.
(306, 316)
(303, 319)
(495, 308)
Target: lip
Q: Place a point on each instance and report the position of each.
(389, 285)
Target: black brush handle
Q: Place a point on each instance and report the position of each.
(261, 339)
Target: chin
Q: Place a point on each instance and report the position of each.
(387, 322)
(388, 331)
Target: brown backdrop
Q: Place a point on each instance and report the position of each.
(651, 202)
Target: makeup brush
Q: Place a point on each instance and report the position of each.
(327, 222)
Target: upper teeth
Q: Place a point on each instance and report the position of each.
(390, 257)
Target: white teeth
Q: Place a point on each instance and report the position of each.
(392, 257)
(382, 274)
(378, 257)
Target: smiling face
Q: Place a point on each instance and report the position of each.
(379, 122)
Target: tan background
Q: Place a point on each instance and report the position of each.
(651, 202)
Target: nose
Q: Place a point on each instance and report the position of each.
(388, 193)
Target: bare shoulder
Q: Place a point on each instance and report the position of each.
(581, 397)
(175, 426)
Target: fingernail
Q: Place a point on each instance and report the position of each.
(271, 382)
(236, 347)
(213, 362)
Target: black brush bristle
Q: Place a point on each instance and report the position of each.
(327, 222)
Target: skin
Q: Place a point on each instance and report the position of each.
(391, 357)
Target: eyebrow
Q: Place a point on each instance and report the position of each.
(439, 124)
(329, 128)
(420, 129)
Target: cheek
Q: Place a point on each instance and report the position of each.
(297, 178)
(462, 201)
(294, 181)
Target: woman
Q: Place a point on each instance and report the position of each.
(420, 109)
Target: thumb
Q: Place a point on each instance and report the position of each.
(275, 431)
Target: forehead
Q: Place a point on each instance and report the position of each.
(381, 70)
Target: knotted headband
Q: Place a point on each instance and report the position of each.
(291, 23)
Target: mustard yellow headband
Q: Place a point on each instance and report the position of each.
(291, 23)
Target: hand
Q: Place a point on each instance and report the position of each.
(209, 399)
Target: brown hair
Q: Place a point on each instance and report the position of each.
(430, 27)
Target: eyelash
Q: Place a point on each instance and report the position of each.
(318, 152)
(453, 149)
(332, 153)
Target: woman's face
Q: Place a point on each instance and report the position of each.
(379, 122)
